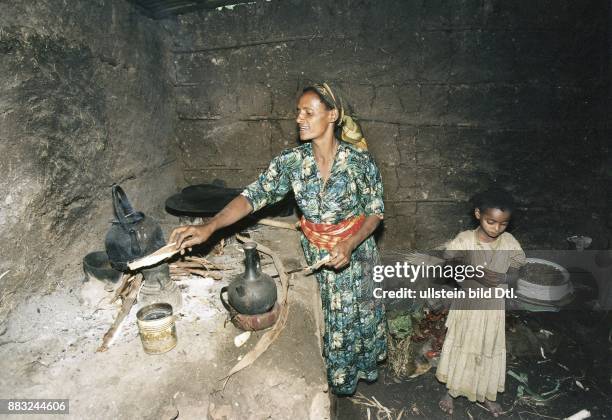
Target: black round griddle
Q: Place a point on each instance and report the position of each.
(200, 200)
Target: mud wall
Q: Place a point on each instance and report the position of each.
(609, 129)
(453, 96)
(84, 102)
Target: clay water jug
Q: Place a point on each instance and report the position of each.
(253, 292)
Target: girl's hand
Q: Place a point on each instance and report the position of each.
(341, 254)
(491, 278)
(190, 235)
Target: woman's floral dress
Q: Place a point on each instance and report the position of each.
(355, 336)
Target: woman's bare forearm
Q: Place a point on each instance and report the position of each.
(369, 226)
(237, 209)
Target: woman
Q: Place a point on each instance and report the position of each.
(338, 188)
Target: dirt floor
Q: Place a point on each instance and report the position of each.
(565, 359)
(580, 365)
(48, 350)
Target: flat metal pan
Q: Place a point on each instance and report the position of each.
(200, 200)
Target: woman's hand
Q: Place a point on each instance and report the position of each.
(341, 254)
(190, 235)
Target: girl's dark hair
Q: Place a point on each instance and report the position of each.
(324, 100)
(494, 198)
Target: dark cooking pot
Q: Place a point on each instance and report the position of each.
(96, 265)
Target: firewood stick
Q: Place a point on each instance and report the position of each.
(152, 259)
(125, 309)
(125, 280)
(187, 265)
(318, 264)
(201, 273)
(204, 261)
(188, 270)
(313, 267)
(194, 264)
(275, 223)
(197, 258)
(180, 272)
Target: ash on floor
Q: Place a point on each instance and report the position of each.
(48, 350)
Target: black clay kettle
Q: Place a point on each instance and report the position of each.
(252, 292)
(132, 235)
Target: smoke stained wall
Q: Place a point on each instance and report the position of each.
(85, 101)
(453, 97)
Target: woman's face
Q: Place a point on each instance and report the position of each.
(313, 118)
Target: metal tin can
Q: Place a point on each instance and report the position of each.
(156, 327)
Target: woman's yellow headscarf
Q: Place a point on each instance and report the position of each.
(351, 132)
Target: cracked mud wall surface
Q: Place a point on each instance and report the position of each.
(85, 102)
(453, 96)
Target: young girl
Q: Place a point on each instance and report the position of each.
(473, 358)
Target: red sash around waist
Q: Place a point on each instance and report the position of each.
(327, 235)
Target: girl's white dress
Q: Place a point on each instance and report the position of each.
(473, 358)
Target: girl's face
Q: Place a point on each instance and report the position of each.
(493, 222)
(313, 118)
